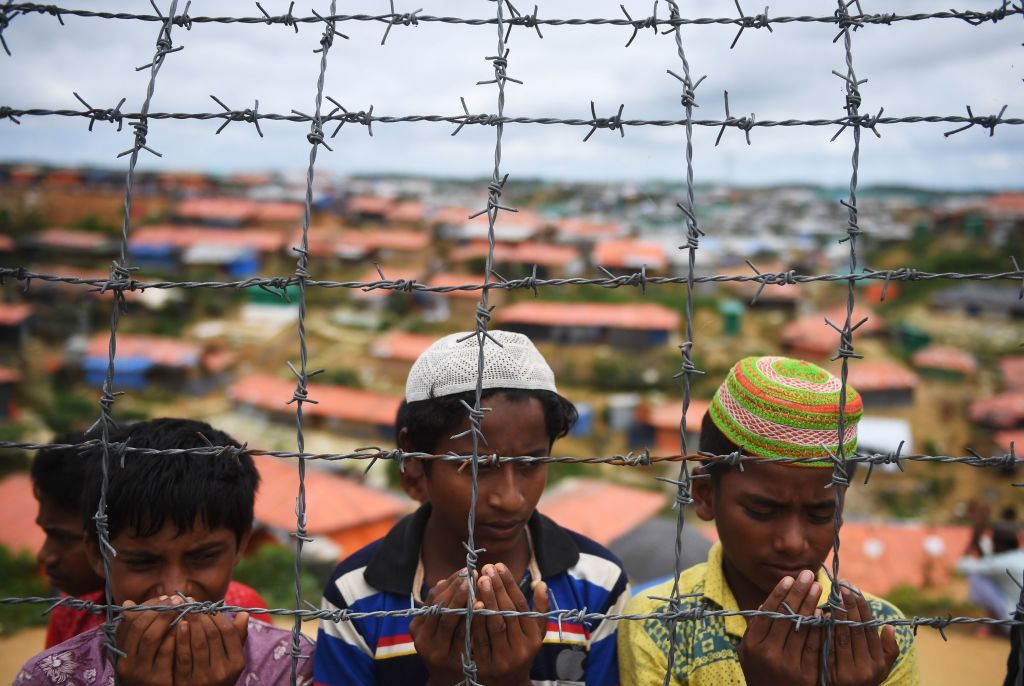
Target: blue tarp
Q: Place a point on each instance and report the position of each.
(129, 372)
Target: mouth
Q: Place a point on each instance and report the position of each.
(501, 530)
(780, 572)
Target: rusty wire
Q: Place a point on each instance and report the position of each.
(121, 279)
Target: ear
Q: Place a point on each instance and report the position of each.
(412, 475)
(703, 492)
(243, 545)
(93, 556)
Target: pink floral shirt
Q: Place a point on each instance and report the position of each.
(82, 661)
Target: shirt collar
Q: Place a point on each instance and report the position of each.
(392, 568)
(717, 591)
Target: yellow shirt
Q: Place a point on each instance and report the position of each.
(706, 651)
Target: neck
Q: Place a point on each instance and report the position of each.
(442, 554)
(748, 596)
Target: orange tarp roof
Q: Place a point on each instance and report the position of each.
(263, 240)
(643, 316)
(66, 238)
(6, 243)
(333, 402)
(1011, 369)
(1003, 439)
(279, 212)
(1003, 410)
(880, 375)
(369, 204)
(1007, 203)
(407, 211)
(588, 229)
(600, 510)
(667, 415)
(526, 253)
(629, 254)
(12, 314)
(162, 350)
(324, 242)
(18, 509)
(814, 335)
(443, 279)
(947, 358)
(333, 502)
(218, 209)
(9, 375)
(451, 215)
(399, 345)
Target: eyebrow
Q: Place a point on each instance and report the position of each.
(207, 547)
(771, 502)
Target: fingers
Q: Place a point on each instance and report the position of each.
(872, 639)
(890, 648)
(780, 630)
(541, 604)
(758, 627)
(810, 660)
(162, 665)
(858, 643)
(501, 579)
(429, 625)
(496, 628)
(241, 622)
(230, 637)
(796, 640)
(206, 644)
(183, 653)
(152, 637)
(451, 626)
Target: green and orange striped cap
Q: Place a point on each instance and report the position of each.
(782, 407)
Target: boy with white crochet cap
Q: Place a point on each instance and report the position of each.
(776, 524)
(526, 561)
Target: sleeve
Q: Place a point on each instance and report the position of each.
(241, 595)
(342, 656)
(602, 666)
(641, 662)
(980, 565)
(904, 672)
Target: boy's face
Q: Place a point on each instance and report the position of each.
(197, 563)
(508, 494)
(63, 553)
(773, 521)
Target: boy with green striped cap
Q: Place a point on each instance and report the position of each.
(776, 524)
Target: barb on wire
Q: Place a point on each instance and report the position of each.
(95, 114)
(286, 19)
(164, 46)
(249, 116)
(758, 21)
(517, 18)
(988, 122)
(744, 124)
(650, 22)
(365, 118)
(611, 123)
(407, 19)
(330, 31)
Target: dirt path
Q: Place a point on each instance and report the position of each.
(965, 659)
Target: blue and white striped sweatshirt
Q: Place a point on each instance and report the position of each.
(379, 651)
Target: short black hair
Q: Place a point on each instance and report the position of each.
(59, 473)
(152, 490)
(427, 421)
(714, 441)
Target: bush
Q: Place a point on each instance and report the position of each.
(271, 571)
(20, 579)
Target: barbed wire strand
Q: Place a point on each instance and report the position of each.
(121, 281)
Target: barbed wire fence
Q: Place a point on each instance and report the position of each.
(506, 18)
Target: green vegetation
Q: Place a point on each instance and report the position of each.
(270, 570)
(20, 579)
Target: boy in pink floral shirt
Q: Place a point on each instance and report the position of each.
(179, 525)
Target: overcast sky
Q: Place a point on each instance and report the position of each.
(913, 68)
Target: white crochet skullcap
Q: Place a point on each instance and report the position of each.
(449, 366)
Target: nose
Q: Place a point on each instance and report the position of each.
(790, 539)
(504, 492)
(175, 580)
(46, 555)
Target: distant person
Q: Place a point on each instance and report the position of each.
(775, 524)
(179, 525)
(528, 561)
(58, 477)
(989, 571)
